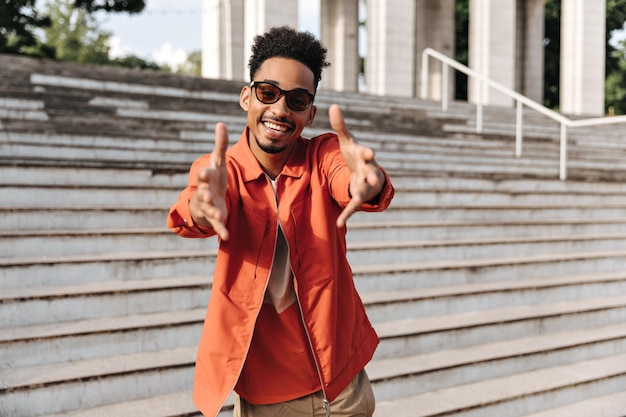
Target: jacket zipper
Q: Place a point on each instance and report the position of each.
(325, 402)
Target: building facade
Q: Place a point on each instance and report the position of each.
(505, 44)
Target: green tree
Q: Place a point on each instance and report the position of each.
(552, 54)
(19, 20)
(75, 34)
(461, 46)
(136, 62)
(615, 87)
(193, 65)
(128, 6)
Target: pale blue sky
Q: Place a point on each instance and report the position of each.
(166, 31)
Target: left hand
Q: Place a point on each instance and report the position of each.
(367, 179)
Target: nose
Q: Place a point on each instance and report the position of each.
(280, 108)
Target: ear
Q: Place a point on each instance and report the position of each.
(244, 98)
(312, 113)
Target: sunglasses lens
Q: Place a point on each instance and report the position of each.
(298, 100)
(267, 93)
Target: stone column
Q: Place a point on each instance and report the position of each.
(390, 62)
(339, 33)
(492, 47)
(583, 26)
(531, 52)
(260, 15)
(434, 28)
(222, 39)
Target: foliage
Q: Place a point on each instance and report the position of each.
(66, 30)
(193, 65)
(18, 22)
(615, 87)
(552, 54)
(136, 62)
(128, 6)
(22, 25)
(75, 35)
(461, 46)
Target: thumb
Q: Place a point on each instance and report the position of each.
(338, 123)
(221, 144)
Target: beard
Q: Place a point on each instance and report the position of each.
(271, 148)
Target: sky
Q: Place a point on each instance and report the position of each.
(167, 31)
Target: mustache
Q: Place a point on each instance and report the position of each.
(282, 120)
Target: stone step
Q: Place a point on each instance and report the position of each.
(89, 177)
(612, 405)
(86, 242)
(50, 219)
(409, 337)
(82, 269)
(49, 305)
(394, 252)
(89, 146)
(55, 388)
(100, 337)
(35, 384)
(109, 177)
(41, 305)
(516, 395)
(412, 212)
(63, 232)
(201, 140)
(440, 230)
(56, 196)
(437, 300)
(93, 242)
(109, 195)
(177, 404)
(392, 277)
(405, 376)
(63, 196)
(389, 377)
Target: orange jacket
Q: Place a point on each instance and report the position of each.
(312, 190)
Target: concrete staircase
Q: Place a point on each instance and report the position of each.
(496, 289)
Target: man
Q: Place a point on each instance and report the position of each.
(285, 328)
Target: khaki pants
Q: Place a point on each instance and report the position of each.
(356, 400)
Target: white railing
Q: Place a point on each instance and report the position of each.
(519, 99)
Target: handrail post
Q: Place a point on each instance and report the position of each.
(518, 130)
(424, 74)
(444, 87)
(479, 106)
(563, 164)
(483, 83)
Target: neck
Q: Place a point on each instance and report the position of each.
(271, 163)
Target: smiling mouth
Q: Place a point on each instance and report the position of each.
(276, 127)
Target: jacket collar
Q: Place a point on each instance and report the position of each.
(251, 169)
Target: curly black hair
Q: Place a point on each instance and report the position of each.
(286, 42)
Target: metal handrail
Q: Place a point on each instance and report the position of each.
(519, 99)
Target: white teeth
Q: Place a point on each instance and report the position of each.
(274, 126)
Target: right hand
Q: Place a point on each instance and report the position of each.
(208, 204)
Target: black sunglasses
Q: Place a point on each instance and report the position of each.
(268, 93)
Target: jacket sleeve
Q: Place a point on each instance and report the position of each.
(179, 218)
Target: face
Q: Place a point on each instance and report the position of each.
(275, 127)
